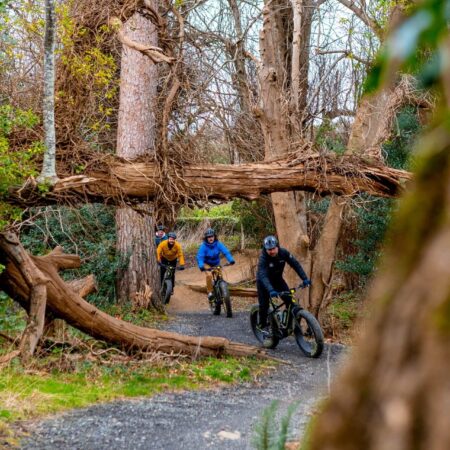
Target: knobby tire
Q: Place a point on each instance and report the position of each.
(308, 334)
(225, 297)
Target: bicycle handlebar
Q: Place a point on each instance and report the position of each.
(210, 269)
(295, 289)
(167, 267)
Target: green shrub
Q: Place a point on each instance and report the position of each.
(89, 232)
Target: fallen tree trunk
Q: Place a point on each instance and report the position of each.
(234, 290)
(114, 181)
(66, 304)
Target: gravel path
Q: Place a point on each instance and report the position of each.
(220, 419)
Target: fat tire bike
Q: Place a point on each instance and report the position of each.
(221, 292)
(285, 320)
(167, 284)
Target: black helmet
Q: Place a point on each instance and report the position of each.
(171, 234)
(160, 227)
(270, 242)
(210, 232)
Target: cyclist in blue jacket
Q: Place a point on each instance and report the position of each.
(208, 255)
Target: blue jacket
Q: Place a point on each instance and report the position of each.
(210, 254)
(158, 240)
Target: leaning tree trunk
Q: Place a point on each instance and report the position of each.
(372, 126)
(395, 392)
(136, 137)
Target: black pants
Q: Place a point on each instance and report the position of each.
(263, 298)
(166, 262)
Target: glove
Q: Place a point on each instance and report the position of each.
(181, 267)
(273, 293)
(202, 269)
(306, 283)
(232, 262)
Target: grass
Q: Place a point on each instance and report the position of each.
(65, 381)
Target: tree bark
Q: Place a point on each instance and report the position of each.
(117, 181)
(136, 133)
(395, 391)
(49, 164)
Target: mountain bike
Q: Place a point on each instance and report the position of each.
(166, 290)
(285, 320)
(221, 292)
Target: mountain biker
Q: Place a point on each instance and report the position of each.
(269, 279)
(208, 255)
(160, 235)
(167, 254)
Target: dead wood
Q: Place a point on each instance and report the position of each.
(64, 303)
(234, 290)
(83, 286)
(115, 181)
(36, 283)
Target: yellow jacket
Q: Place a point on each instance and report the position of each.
(163, 251)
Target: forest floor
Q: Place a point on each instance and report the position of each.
(219, 418)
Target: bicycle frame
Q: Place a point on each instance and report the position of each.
(168, 274)
(284, 321)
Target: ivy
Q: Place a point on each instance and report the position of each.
(16, 165)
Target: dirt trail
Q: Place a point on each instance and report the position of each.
(185, 299)
(220, 419)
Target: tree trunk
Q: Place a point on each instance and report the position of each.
(117, 181)
(64, 303)
(395, 391)
(136, 133)
(48, 172)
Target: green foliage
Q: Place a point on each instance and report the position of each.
(344, 309)
(12, 316)
(416, 46)
(328, 138)
(267, 434)
(373, 214)
(15, 164)
(372, 221)
(89, 232)
(256, 218)
(397, 151)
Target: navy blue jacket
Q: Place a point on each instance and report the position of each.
(270, 268)
(210, 253)
(158, 240)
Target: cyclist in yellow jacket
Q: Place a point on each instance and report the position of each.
(167, 254)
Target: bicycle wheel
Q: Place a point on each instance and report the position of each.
(308, 334)
(225, 298)
(166, 291)
(215, 305)
(254, 322)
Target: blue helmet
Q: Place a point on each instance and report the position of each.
(270, 242)
(210, 232)
(160, 227)
(171, 234)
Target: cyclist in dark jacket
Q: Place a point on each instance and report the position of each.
(160, 235)
(269, 277)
